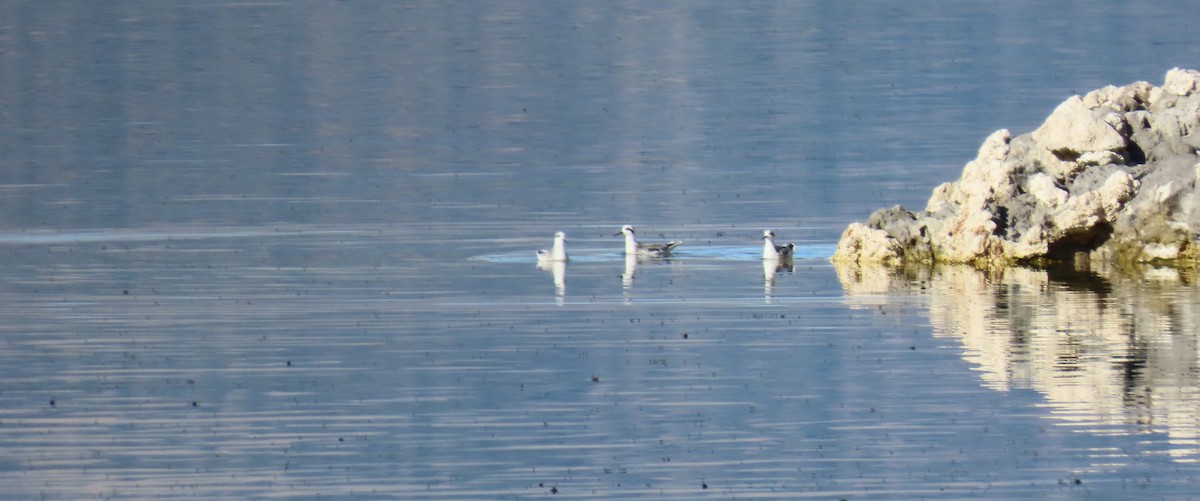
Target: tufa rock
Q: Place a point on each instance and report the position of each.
(1111, 175)
(1074, 129)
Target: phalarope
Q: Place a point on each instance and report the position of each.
(777, 252)
(635, 248)
(556, 253)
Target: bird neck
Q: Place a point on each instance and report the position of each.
(769, 248)
(631, 246)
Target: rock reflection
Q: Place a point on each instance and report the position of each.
(557, 269)
(1111, 351)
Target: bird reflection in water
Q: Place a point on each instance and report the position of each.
(770, 268)
(557, 269)
(631, 263)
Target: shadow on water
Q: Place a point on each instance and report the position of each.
(1111, 352)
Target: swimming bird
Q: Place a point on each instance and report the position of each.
(556, 253)
(635, 248)
(772, 251)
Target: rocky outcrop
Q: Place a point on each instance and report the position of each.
(1111, 175)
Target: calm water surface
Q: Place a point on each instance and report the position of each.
(287, 250)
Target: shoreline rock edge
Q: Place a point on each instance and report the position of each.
(1111, 175)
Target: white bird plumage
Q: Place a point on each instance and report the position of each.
(635, 248)
(556, 253)
(777, 252)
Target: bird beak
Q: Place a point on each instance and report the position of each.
(617, 234)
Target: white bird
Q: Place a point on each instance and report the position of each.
(777, 252)
(635, 248)
(556, 253)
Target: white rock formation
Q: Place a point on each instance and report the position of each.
(1111, 175)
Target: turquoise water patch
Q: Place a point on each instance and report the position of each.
(745, 253)
(526, 256)
(715, 252)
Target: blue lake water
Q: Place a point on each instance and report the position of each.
(286, 249)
